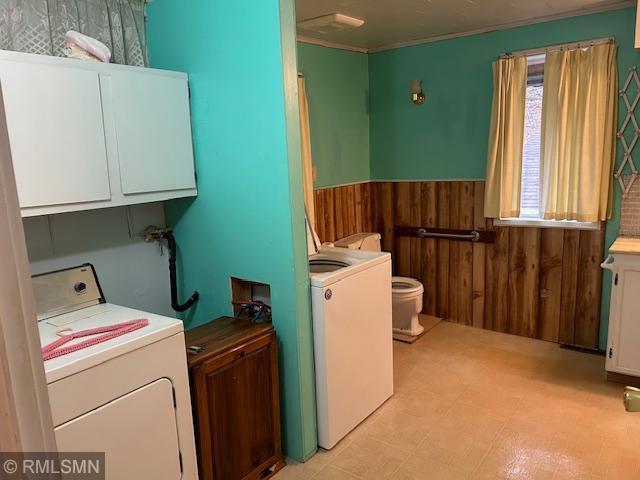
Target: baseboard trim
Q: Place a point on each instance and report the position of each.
(623, 379)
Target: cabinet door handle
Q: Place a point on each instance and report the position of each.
(608, 263)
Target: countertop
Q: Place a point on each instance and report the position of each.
(222, 335)
(628, 245)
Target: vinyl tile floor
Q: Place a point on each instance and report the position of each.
(476, 404)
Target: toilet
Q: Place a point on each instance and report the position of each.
(406, 292)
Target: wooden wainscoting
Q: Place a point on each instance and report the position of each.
(540, 283)
(343, 211)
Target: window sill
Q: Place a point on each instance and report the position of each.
(533, 222)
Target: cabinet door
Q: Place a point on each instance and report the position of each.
(238, 412)
(153, 130)
(624, 351)
(56, 132)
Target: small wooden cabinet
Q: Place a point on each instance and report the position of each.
(235, 394)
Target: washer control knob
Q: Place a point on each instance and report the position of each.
(80, 287)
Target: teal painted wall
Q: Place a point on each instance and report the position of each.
(337, 84)
(248, 218)
(447, 137)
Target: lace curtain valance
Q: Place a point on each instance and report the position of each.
(39, 26)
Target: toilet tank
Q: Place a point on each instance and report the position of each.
(369, 241)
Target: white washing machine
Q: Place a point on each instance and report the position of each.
(127, 397)
(352, 334)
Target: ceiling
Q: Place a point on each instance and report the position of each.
(390, 23)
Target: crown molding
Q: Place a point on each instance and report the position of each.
(329, 44)
(478, 31)
(508, 25)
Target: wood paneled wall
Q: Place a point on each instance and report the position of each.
(540, 283)
(343, 211)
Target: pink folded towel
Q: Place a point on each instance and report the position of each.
(91, 46)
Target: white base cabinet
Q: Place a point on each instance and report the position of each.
(623, 345)
(87, 135)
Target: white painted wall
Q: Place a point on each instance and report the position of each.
(132, 273)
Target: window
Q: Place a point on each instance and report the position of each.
(530, 189)
(530, 184)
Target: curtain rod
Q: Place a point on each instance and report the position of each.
(557, 48)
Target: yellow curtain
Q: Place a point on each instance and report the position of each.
(578, 133)
(307, 163)
(504, 162)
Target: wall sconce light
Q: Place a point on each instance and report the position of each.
(417, 95)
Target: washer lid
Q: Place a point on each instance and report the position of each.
(313, 241)
(333, 264)
(105, 314)
(359, 241)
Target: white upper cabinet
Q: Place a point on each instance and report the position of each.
(87, 135)
(153, 130)
(56, 133)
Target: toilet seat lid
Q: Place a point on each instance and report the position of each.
(405, 285)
